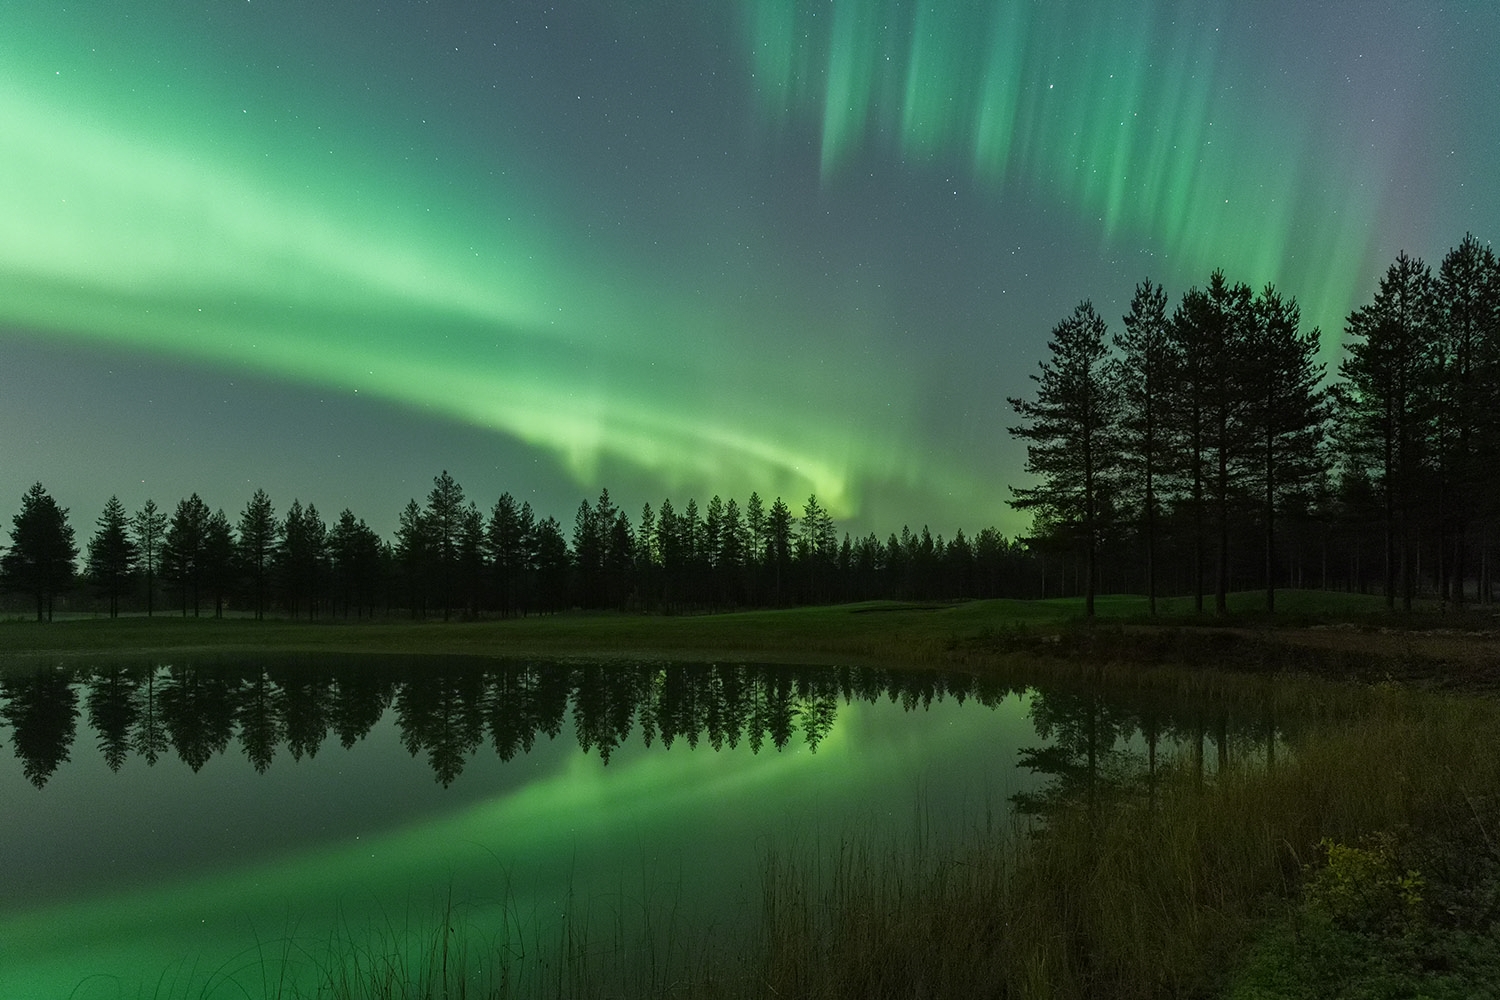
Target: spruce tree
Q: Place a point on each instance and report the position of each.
(149, 526)
(444, 518)
(219, 559)
(39, 561)
(183, 561)
(505, 549)
(259, 535)
(112, 554)
(779, 524)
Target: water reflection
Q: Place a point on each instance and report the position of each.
(534, 782)
(1097, 750)
(42, 713)
(445, 709)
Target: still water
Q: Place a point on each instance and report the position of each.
(199, 827)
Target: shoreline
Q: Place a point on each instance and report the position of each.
(1457, 651)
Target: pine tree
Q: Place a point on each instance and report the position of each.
(182, 556)
(526, 521)
(218, 559)
(669, 551)
(779, 525)
(1070, 431)
(355, 552)
(619, 557)
(291, 559)
(259, 536)
(755, 544)
(112, 554)
(1208, 332)
(444, 519)
(691, 548)
(39, 561)
(647, 558)
(713, 527)
(588, 555)
(505, 548)
(817, 547)
(471, 558)
(1468, 330)
(343, 553)
(149, 527)
(755, 527)
(551, 565)
(314, 557)
(1383, 403)
(1285, 413)
(732, 551)
(1147, 372)
(414, 556)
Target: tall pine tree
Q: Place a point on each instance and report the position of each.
(1285, 414)
(1384, 411)
(1070, 430)
(1147, 370)
(1468, 330)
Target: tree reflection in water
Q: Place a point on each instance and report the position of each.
(1099, 749)
(448, 708)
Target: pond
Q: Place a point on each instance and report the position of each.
(205, 827)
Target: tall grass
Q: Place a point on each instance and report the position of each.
(1151, 898)
(1150, 895)
(640, 947)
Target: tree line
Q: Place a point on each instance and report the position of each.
(1204, 449)
(449, 559)
(1200, 450)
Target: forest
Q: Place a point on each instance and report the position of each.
(1200, 450)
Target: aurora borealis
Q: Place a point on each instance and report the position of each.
(670, 248)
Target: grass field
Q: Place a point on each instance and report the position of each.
(877, 630)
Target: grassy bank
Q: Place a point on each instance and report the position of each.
(1197, 893)
(1311, 632)
(839, 633)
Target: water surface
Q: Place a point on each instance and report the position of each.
(190, 824)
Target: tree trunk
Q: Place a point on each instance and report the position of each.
(1270, 527)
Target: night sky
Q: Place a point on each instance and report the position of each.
(673, 248)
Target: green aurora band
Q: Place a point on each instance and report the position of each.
(152, 225)
(148, 199)
(1122, 112)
